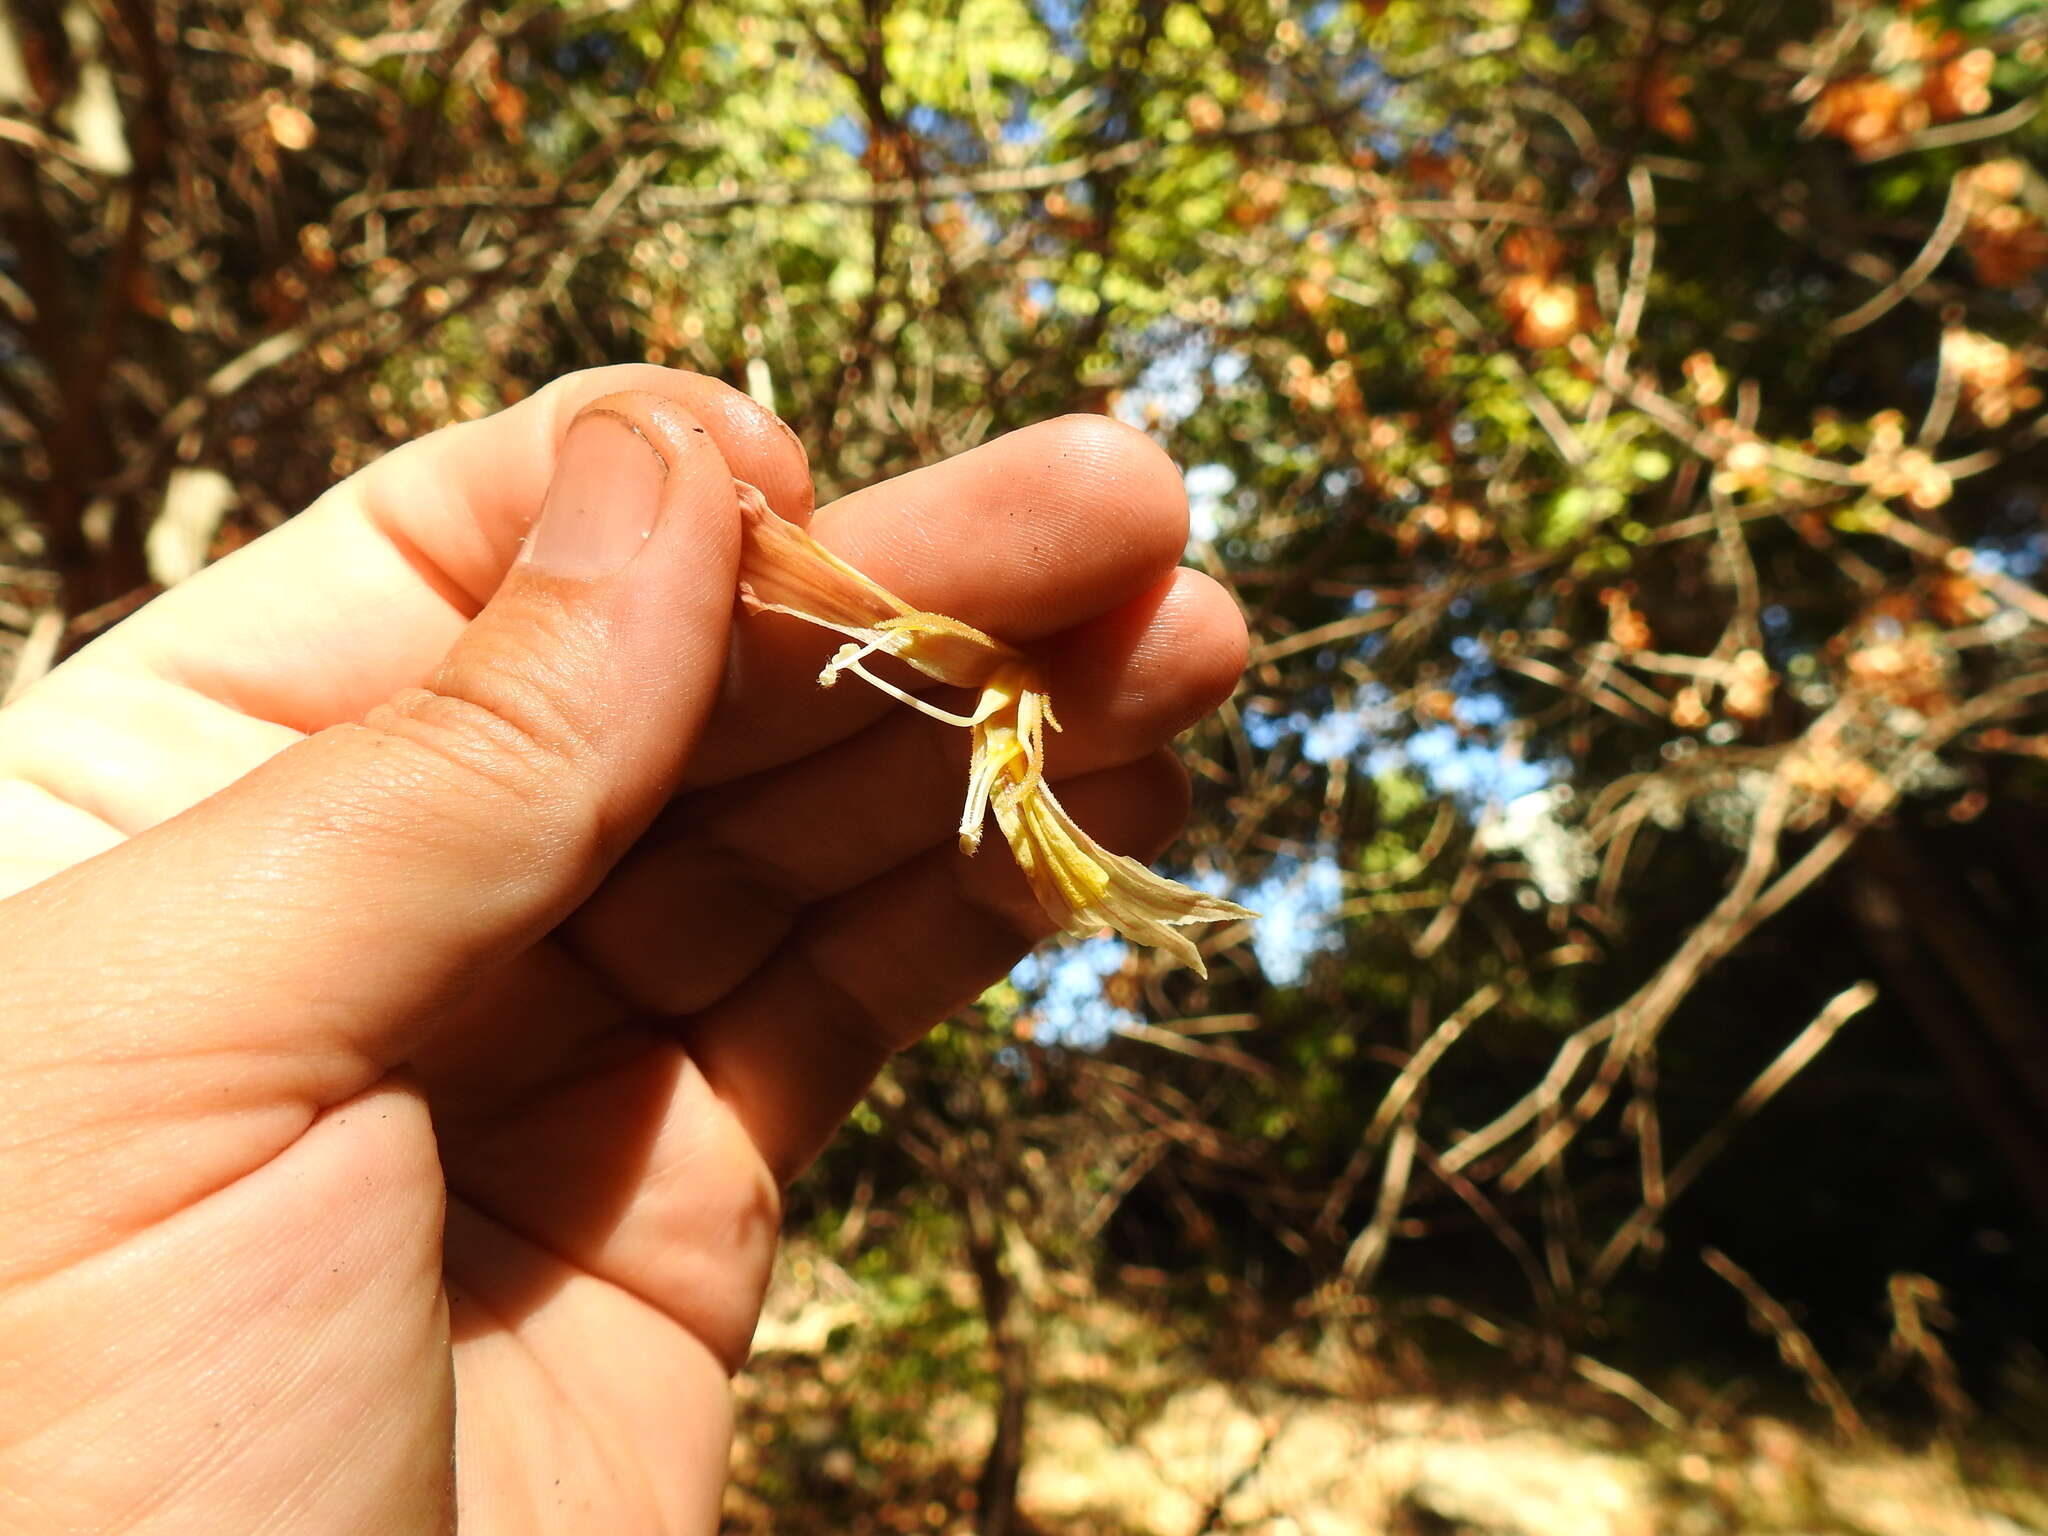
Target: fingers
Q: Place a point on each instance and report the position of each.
(623, 1160)
(629, 1168)
(130, 748)
(145, 1387)
(42, 833)
(656, 1168)
(363, 594)
(317, 622)
(296, 934)
(707, 897)
(568, 1383)
(1034, 533)
(719, 882)
(866, 974)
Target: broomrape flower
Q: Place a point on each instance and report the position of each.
(1082, 886)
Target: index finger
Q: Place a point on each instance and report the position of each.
(362, 595)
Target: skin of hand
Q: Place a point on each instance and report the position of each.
(435, 934)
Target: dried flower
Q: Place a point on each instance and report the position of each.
(1545, 312)
(1996, 381)
(1082, 886)
(1892, 470)
(1750, 684)
(2007, 241)
(1865, 112)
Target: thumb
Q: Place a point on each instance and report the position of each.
(289, 939)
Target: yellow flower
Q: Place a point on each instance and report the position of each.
(1082, 886)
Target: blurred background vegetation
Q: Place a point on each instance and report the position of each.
(1622, 425)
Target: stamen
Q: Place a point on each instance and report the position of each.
(845, 656)
(990, 762)
(844, 662)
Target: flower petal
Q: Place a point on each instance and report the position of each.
(1084, 887)
(784, 570)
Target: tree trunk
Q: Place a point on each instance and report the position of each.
(996, 1489)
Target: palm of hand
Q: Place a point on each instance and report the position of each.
(233, 1295)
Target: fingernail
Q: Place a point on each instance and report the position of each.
(602, 503)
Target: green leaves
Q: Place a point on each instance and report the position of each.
(967, 58)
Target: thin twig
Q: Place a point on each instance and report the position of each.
(1948, 392)
(1947, 230)
(1628, 319)
(1789, 1063)
(1794, 1347)
(1639, 1019)
(1366, 1255)
(1952, 556)
(1399, 1094)
(38, 650)
(1949, 135)
(1605, 1377)
(1491, 1218)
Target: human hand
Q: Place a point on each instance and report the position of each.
(427, 969)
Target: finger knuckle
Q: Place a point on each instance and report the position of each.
(503, 757)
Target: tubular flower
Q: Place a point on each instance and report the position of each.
(1082, 886)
